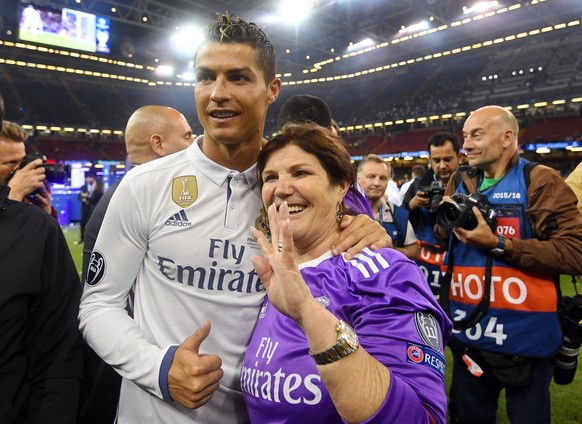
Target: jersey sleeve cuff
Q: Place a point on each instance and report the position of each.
(164, 370)
(400, 405)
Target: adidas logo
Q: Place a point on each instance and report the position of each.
(179, 220)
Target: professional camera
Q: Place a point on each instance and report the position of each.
(570, 312)
(434, 192)
(55, 173)
(460, 214)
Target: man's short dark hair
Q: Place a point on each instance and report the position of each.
(233, 29)
(440, 138)
(314, 139)
(305, 108)
(419, 170)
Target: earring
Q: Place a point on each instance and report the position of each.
(340, 212)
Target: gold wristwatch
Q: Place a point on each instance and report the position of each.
(347, 343)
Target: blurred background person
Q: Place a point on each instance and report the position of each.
(348, 335)
(96, 195)
(416, 174)
(373, 172)
(27, 183)
(85, 193)
(392, 192)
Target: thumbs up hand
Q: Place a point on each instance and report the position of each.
(193, 378)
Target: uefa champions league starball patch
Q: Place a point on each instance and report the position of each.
(96, 269)
(428, 329)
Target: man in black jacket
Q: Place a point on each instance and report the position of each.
(40, 344)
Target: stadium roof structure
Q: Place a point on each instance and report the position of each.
(333, 24)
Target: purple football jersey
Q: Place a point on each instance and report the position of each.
(357, 201)
(385, 297)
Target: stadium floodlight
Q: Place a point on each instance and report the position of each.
(480, 7)
(295, 11)
(366, 42)
(186, 40)
(164, 70)
(188, 76)
(417, 27)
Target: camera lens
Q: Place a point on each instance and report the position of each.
(448, 215)
(567, 361)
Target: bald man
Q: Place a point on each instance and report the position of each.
(155, 131)
(151, 132)
(508, 339)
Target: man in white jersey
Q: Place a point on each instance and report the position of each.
(179, 226)
(152, 132)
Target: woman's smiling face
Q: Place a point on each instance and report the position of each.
(297, 177)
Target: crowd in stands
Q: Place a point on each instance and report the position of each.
(459, 83)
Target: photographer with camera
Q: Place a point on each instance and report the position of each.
(25, 175)
(422, 199)
(515, 228)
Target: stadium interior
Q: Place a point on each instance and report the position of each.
(393, 72)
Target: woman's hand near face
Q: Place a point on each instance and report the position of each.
(277, 268)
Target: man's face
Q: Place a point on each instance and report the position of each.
(484, 139)
(179, 136)
(374, 179)
(11, 153)
(231, 94)
(444, 160)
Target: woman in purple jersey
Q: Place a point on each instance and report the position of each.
(337, 340)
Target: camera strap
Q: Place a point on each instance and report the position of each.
(483, 306)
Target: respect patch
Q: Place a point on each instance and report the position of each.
(424, 355)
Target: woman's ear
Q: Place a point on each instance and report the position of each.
(343, 190)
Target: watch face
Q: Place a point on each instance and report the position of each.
(349, 335)
(497, 251)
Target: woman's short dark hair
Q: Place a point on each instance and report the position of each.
(316, 140)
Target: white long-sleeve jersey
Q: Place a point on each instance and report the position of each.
(179, 228)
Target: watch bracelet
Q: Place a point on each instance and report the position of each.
(331, 355)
